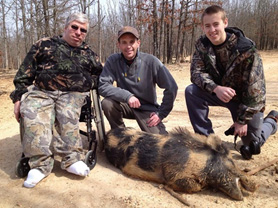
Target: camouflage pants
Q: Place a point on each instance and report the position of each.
(39, 111)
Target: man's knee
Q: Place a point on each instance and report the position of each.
(193, 89)
(158, 129)
(107, 104)
(188, 90)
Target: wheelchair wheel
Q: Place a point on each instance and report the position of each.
(22, 167)
(98, 119)
(91, 159)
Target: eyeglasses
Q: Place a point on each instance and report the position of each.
(76, 28)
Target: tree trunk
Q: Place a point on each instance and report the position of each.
(31, 24)
(166, 35)
(155, 33)
(46, 17)
(4, 31)
(193, 28)
(184, 34)
(161, 28)
(18, 58)
(55, 25)
(170, 32)
(99, 30)
(179, 32)
(22, 4)
(38, 22)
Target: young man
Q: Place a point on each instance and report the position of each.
(51, 86)
(227, 71)
(136, 75)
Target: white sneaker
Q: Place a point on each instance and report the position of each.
(79, 168)
(34, 176)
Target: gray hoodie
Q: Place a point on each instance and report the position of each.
(138, 79)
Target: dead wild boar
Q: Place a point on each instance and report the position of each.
(184, 161)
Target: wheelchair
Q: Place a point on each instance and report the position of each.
(91, 111)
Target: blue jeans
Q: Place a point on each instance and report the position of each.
(198, 102)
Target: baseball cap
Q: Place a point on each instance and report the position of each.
(128, 29)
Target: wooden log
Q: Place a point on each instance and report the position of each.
(259, 168)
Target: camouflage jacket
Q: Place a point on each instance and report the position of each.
(52, 64)
(244, 72)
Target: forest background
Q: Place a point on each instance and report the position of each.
(168, 28)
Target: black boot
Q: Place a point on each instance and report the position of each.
(245, 152)
(254, 148)
(273, 114)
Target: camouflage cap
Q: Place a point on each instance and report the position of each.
(128, 29)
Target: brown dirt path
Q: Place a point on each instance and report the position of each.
(107, 187)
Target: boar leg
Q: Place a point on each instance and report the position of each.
(187, 185)
(248, 184)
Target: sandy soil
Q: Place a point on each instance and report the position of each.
(106, 186)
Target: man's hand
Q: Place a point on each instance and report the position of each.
(240, 130)
(154, 120)
(133, 102)
(225, 94)
(17, 110)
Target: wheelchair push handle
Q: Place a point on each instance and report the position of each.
(94, 82)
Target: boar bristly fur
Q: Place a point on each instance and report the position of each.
(184, 161)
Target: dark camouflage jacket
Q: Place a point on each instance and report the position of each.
(52, 64)
(244, 73)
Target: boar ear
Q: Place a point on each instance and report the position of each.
(216, 144)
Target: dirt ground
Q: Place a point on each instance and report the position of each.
(107, 187)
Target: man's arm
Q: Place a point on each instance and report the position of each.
(25, 74)
(225, 94)
(154, 120)
(106, 80)
(24, 78)
(253, 91)
(166, 81)
(17, 110)
(134, 102)
(199, 74)
(96, 66)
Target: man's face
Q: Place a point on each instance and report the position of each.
(214, 28)
(75, 33)
(128, 44)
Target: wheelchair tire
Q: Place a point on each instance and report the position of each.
(22, 167)
(91, 159)
(98, 119)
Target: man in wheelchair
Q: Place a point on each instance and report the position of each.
(51, 86)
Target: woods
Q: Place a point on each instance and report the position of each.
(168, 28)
